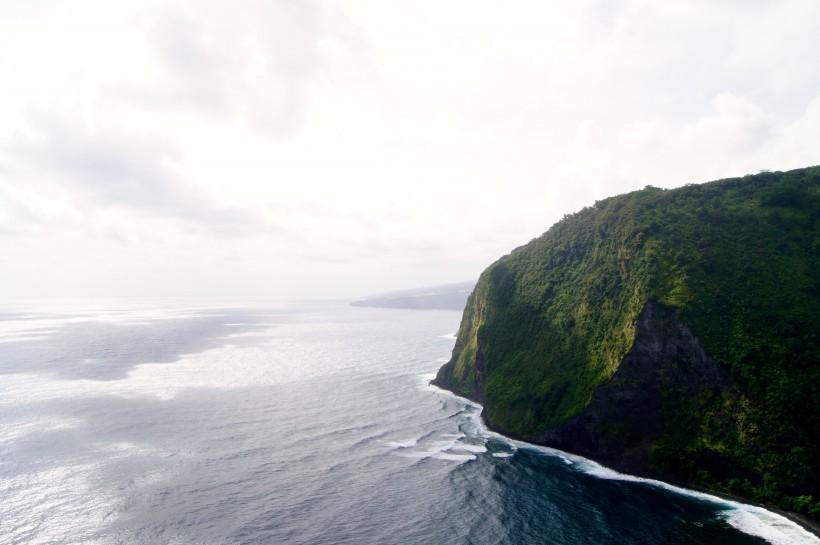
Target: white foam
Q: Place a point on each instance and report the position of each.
(749, 519)
(454, 457)
(471, 448)
(770, 526)
(451, 336)
(440, 455)
(451, 449)
(502, 454)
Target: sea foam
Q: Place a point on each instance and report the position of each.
(749, 519)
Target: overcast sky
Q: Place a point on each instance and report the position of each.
(293, 149)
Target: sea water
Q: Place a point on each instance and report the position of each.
(295, 424)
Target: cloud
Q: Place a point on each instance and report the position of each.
(738, 136)
(259, 62)
(332, 146)
(15, 217)
(128, 169)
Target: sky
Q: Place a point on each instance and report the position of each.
(292, 149)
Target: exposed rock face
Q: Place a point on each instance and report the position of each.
(666, 365)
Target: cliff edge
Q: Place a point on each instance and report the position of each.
(666, 333)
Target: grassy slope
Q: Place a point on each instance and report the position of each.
(740, 258)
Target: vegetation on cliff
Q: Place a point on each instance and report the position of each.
(738, 260)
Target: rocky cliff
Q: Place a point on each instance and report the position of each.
(670, 333)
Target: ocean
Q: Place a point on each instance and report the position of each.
(295, 424)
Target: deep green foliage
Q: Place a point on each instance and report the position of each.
(740, 258)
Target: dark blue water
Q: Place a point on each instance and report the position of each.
(313, 426)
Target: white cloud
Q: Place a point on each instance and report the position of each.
(329, 148)
(120, 168)
(257, 63)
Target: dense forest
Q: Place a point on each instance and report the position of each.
(736, 260)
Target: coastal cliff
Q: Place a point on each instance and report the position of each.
(665, 333)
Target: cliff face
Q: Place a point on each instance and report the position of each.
(666, 333)
(666, 367)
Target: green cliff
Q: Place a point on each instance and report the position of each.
(669, 333)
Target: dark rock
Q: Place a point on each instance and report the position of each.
(666, 364)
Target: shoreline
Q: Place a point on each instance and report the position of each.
(811, 526)
(808, 525)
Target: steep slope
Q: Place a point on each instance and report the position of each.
(671, 333)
